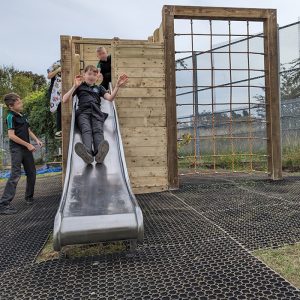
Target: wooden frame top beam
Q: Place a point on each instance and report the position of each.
(218, 13)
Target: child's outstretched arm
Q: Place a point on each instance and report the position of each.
(122, 80)
(77, 83)
(53, 73)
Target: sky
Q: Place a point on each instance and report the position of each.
(30, 30)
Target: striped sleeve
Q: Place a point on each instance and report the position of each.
(10, 121)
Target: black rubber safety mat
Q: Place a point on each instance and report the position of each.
(259, 213)
(23, 235)
(187, 254)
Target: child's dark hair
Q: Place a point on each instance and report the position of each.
(90, 68)
(11, 98)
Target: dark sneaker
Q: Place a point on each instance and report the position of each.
(83, 153)
(29, 200)
(103, 149)
(7, 210)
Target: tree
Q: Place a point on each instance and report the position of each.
(36, 107)
(42, 121)
(32, 88)
(20, 82)
(290, 80)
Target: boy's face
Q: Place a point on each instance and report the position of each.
(17, 106)
(90, 77)
(102, 54)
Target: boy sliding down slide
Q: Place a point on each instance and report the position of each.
(89, 117)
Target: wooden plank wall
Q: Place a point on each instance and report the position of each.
(142, 113)
(140, 105)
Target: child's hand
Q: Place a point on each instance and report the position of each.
(31, 148)
(78, 80)
(39, 143)
(122, 80)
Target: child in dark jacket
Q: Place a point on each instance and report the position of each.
(104, 65)
(89, 117)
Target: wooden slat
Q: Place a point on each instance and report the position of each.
(171, 119)
(133, 62)
(94, 41)
(155, 36)
(90, 62)
(149, 189)
(143, 131)
(66, 62)
(145, 141)
(91, 56)
(158, 34)
(148, 161)
(145, 182)
(217, 13)
(140, 102)
(138, 43)
(141, 92)
(153, 171)
(145, 82)
(143, 122)
(88, 49)
(140, 52)
(148, 112)
(144, 151)
(141, 72)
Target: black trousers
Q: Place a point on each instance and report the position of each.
(58, 117)
(19, 156)
(90, 123)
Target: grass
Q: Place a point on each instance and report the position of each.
(241, 163)
(284, 260)
(48, 253)
(290, 161)
(291, 158)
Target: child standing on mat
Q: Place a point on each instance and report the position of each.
(21, 149)
(89, 117)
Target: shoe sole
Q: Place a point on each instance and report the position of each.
(102, 152)
(81, 152)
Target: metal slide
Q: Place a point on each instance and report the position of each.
(97, 203)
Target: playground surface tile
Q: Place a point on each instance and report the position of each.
(198, 243)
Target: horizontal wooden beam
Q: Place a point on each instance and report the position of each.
(218, 13)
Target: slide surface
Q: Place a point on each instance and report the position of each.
(97, 203)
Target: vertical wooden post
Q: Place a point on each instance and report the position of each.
(70, 62)
(66, 63)
(170, 80)
(272, 96)
(114, 75)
